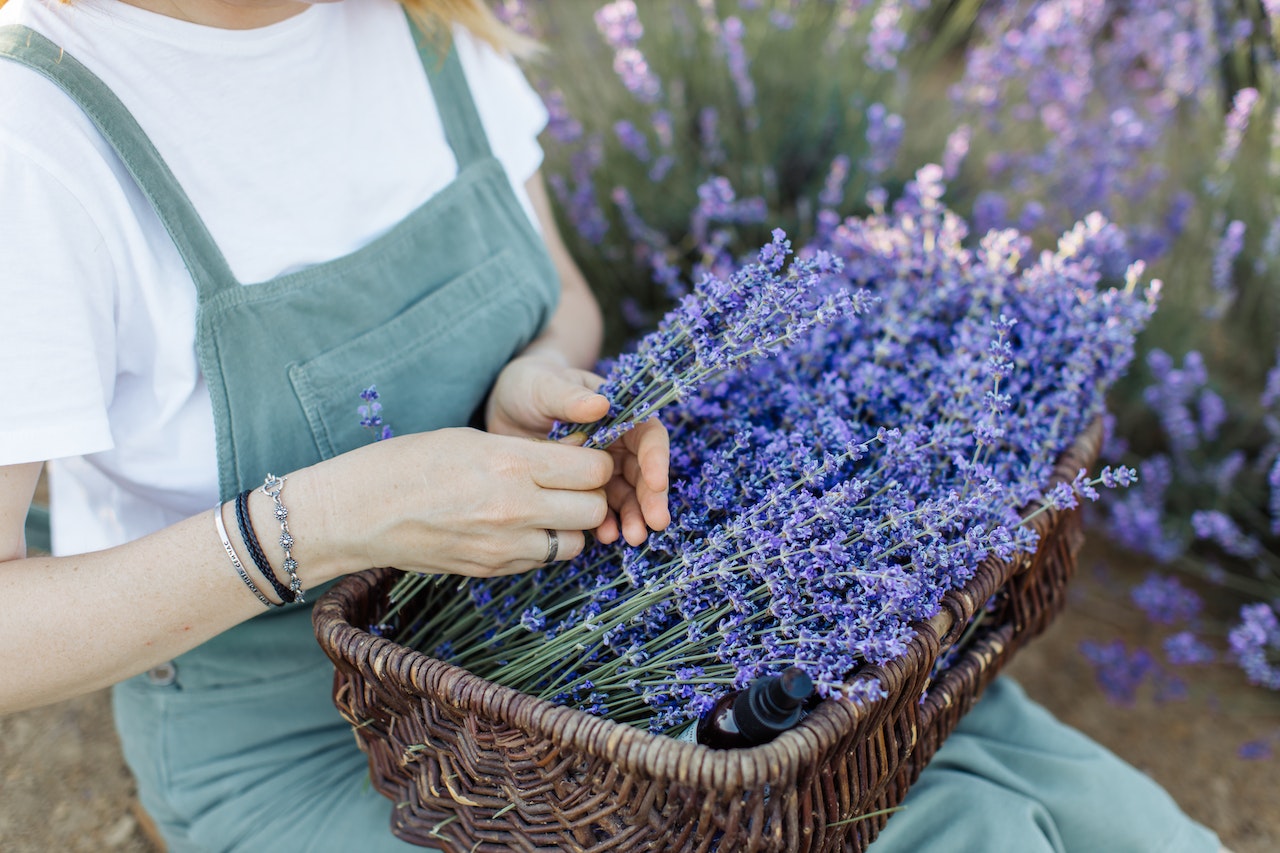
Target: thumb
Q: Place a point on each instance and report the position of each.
(570, 398)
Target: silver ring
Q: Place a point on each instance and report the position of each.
(553, 546)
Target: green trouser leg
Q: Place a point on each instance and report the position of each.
(1012, 778)
(291, 780)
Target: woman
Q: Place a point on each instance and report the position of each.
(224, 219)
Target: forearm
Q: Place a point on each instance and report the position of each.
(455, 501)
(576, 330)
(76, 624)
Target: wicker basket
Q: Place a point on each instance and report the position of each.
(474, 766)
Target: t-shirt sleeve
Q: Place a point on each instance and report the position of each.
(511, 111)
(57, 329)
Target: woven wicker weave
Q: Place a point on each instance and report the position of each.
(474, 767)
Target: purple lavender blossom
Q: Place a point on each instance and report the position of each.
(1172, 396)
(1236, 125)
(1220, 529)
(371, 414)
(1169, 687)
(562, 126)
(712, 144)
(1212, 414)
(1136, 520)
(515, 14)
(732, 32)
(620, 25)
(1185, 649)
(633, 140)
(1165, 599)
(1255, 643)
(955, 152)
(1229, 248)
(990, 211)
(1273, 482)
(886, 38)
(718, 203)
(1255, 750)
(1117, 670)
(884, 136)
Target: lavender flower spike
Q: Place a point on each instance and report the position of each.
(371, 415)
(1254, 642)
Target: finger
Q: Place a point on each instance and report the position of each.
(564, 509)
(548, 548)
(655, 507)
(591, 380)
(529, 550)
(631, 524)
(650, 474)
(575, 439)
(652, 447)
(653, 504)
(561, 466)
(608, 531)
(631, 518)
(566, 396)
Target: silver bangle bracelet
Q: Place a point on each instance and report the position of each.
(272, 488)
(235, 558)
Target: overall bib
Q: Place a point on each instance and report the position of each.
(237, 744)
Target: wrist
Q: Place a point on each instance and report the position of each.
(315, 526)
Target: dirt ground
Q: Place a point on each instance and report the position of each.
(63, 785)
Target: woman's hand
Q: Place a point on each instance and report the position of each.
(457, 501)
(534, 391)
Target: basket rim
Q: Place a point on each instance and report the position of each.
(636, 750)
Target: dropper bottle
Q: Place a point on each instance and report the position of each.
(765, 709)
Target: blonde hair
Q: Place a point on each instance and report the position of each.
(438, 16)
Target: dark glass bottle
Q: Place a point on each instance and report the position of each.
(767, 708)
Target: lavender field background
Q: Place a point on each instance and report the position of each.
(701, 125)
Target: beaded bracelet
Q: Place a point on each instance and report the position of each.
(272, 487)
(255, 549)
(235, 559)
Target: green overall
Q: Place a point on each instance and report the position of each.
(238, 745)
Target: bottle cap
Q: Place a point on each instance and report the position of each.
(771, 705)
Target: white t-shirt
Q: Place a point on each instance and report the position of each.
(297, 143)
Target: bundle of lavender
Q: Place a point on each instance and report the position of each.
(826, 499)
(720, 325)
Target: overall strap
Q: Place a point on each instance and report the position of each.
(118, 127)
(458, 114)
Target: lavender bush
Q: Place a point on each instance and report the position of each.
(709, 124)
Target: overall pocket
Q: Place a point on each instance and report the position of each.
(433, 362)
